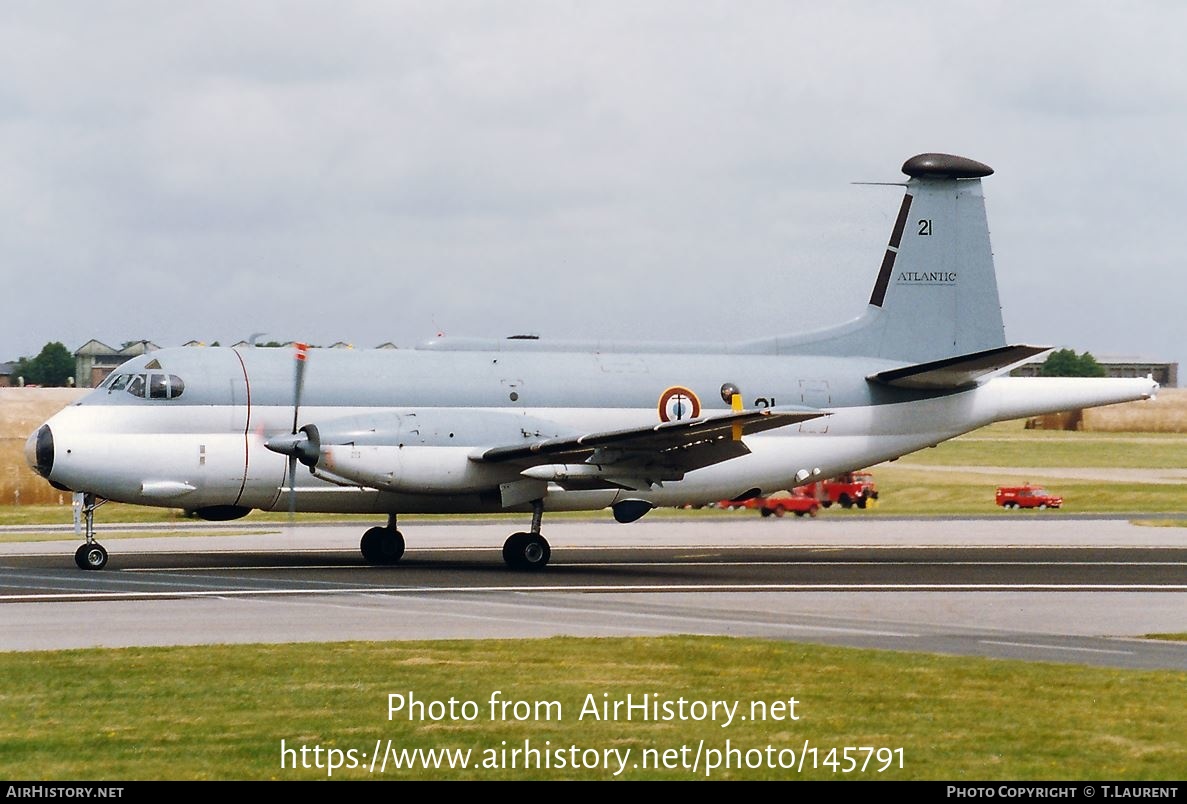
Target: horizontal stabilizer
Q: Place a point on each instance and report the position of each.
(957, 372)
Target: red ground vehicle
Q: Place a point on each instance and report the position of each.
(847, 490)
(1027, 497)
(777, 504)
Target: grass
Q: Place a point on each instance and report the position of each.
(220, 712)
(1007, 444)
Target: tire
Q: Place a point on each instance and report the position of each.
(766, 511)
(814, 510)
(780, 511)
(861, 502)
(845, 502)
(800, 513)
(527, 552)
(91, 556)
(382, 546)
(827, 503)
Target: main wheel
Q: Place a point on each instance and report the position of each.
(91, 556)
(382, 546)
(526, 551)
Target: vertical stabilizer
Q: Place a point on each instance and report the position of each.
(936, 289)
(935, 295)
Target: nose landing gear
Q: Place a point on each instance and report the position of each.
(91, 555)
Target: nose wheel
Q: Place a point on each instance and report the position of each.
(91, 555)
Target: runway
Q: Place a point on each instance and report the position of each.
(1039, 588)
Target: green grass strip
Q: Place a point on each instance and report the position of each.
(220, 712)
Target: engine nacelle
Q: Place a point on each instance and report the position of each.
(424, 470)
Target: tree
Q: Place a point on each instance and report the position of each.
(1066, 363)
(53, 366)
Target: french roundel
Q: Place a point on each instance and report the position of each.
(676, 404)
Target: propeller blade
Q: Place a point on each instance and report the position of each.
(292, 469)
(299, 381)
(298, 387)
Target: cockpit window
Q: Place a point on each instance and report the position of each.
(164, 386)
(158, 386)
(150, 386)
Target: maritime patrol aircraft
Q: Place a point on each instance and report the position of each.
(524, 425)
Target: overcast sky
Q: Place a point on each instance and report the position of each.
(384, 171)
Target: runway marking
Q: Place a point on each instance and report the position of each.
(658, 587)
(665, 616)
(1055, 647)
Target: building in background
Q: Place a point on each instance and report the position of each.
(1164, 373)
(94, 360)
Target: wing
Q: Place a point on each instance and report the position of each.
(642, 456)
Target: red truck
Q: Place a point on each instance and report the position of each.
(847, 490)
(1026, 497)
(777, 504)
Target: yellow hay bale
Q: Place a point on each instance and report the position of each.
(23, 410)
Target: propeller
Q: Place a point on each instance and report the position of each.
(297, 444)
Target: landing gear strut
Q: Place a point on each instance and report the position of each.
(383, 545)
(528, 551)
(91, 555)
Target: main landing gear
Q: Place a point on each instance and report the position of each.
(91, 555)
(383, 545)
(528, 551)
(522, 551)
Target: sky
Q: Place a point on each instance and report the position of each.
(673, 169)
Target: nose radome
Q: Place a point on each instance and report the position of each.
(39, 451)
